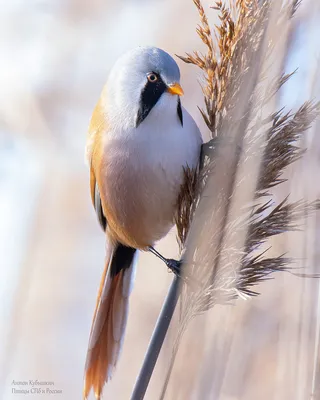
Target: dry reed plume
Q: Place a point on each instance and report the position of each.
(226, 67)
(227, 210)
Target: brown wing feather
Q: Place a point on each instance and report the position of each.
(94, 149)
(92, 184)
(98, 124)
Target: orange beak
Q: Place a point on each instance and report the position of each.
(175, 89)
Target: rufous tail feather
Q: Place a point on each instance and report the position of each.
(109, 320)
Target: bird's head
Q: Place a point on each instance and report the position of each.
(144, 81)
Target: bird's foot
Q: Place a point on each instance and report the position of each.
(174, 266)
(177, 268)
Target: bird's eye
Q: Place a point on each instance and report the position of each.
(152, 78)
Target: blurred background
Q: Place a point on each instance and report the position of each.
(55, 58)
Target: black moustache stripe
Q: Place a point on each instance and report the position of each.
(149, 98)
(180, 111)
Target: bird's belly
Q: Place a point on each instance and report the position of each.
(143, 173)
(141, 200)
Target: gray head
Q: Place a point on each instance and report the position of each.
(138, 80)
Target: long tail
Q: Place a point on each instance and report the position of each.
(110, 318)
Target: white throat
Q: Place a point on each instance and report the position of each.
(122, 116)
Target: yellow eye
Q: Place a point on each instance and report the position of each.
(152, 78)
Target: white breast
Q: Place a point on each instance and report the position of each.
(145, 170)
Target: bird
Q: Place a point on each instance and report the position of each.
(139, 142)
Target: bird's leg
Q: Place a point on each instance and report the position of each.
(173, 265)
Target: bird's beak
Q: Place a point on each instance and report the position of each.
(175, 89)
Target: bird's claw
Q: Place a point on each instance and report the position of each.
(174, 266)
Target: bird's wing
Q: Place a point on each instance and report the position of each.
(94, 154)
(98, 207)
(97, 124)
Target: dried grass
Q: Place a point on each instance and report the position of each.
(241, 32)
(227, 211)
